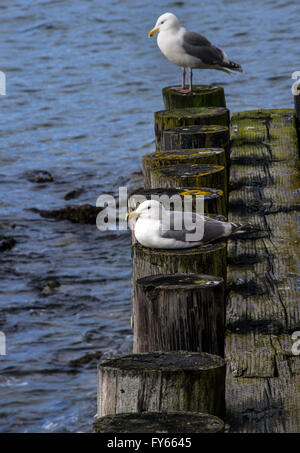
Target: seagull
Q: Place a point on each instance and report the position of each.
(157, 228)
(189, 49)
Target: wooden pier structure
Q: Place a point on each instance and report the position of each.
(240, 301)
(263, 305)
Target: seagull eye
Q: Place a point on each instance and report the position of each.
(148, 207)
(162, 22)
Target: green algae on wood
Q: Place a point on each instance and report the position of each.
(162, 382)
(168, 119)
(190, 156)
(214, 201)
(261, 317)
(179, 312)
(190, 175)
(201, 96)
(159, 422)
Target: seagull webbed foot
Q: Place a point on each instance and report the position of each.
(181, 90)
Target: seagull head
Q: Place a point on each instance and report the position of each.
(165, 22)
(149, 209)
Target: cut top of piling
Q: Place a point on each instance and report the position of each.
(159, 422)
(166, 361)
(184, 154)
(193, 113)
(179, 281)
(214, 201)
(197, 129)
(205, 248)
(191, 169)
(156, 194)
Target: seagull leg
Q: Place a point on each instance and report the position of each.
(182, 88)
(183, 79)
(191, 80)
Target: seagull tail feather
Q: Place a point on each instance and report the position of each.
(238, 227)
(232, 66)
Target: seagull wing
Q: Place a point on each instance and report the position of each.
(199, 47)
(179, 224)
(173, 225)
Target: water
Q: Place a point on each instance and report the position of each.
(83, 81)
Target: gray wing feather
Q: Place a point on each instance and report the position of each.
(176, 220)
(199, 47)
(213, 229)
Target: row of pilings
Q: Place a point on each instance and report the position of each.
(175, 379)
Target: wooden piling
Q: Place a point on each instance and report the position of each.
(158, 422)
(162, 382)
(189, 137)
(202, 96)
(169, 119)
(180, 312)
(151, 161)
(214, 201)
(190, 175)
(209, 259)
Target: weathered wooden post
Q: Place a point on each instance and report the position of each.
(209, 259)
(188, 137)
(162, 382)
(202, 96)
(214, 201)
(215, 156)
(190, 175)
(159, 422)
(169, 119)
(179, 312)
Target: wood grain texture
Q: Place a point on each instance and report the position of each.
(263, 306)
(162, 382)
(210, 259)
(179, 312)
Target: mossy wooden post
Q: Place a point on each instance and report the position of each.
(201, 96)
(190, 175)
(162, 382)
(214, 201)
(180, 312)
(158, 422)
(215, 156)
(189, 137)
(168, 119)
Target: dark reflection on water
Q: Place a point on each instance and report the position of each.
(83, 81)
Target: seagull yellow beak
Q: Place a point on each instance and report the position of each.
(153, 32)
(131, 215)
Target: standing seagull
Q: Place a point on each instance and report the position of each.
(189, 49)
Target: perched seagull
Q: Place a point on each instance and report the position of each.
(157, 228)
(189, 49)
